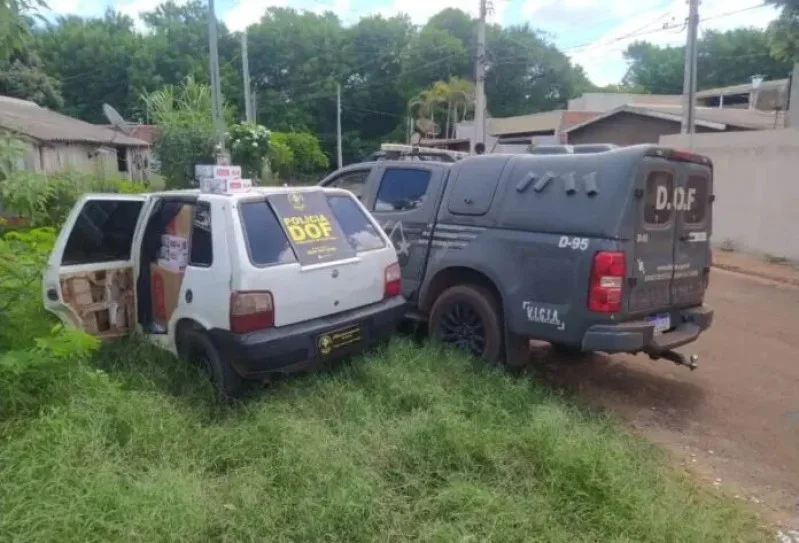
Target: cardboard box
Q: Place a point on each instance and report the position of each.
(165, 292)
(224, 186)
(216, 171)
(180, 226)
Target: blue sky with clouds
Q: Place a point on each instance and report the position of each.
(594, 33)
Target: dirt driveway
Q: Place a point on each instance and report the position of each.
(735, 420)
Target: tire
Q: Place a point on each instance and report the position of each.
(196, 348)
(469, 317)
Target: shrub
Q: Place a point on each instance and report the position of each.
(249, 147)
(306, 154)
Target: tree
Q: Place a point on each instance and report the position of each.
(724, 58)
(784, 32)
(15, 23)
(93, 60)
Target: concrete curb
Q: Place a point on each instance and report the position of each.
(762, 275)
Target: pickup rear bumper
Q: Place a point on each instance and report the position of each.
(305, 345)
(637, 336)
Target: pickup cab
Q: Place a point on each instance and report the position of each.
(592, 251)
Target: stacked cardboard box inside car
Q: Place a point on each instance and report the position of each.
(166, 275)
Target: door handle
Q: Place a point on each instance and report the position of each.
(52, 294)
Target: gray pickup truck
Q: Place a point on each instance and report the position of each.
(606, 251)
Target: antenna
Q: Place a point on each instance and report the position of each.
(116, 119)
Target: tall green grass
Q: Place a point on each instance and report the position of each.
(406, 444)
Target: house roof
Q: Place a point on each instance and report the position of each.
(43, 124)
(742, 89)
(713, 118)
(546, 121)
(144, 132)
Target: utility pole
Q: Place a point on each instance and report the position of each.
(245, 70)
(480, 76)
(689, 77)
(216, 90)
(338, 125)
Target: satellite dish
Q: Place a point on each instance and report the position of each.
(427, 127)
(116, 119)
(416, 137)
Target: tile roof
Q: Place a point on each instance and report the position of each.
(43, 124)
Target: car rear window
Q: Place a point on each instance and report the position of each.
(361, 233)
(696, 199)
(659, 191)
(267, 243)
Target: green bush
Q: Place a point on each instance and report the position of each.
(296, 153)
(249, 148)
(45, 199)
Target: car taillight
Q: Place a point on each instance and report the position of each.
(250, 311)
(607, 281)
(392, 282)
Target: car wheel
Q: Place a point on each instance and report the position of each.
(468, 317)
(196, 348)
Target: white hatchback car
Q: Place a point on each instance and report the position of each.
(248, 283)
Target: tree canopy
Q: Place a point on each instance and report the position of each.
(724, 58)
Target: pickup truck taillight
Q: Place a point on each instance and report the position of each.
(393, 282)
(607, 281)
(251, 311)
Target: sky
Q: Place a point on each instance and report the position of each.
(594, 33)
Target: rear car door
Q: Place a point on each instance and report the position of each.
(650, 286)
(89, 281)
(318, 254)
(692, 228)
(404, 202)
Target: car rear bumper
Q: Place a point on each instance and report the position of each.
(637, 336)
(304, 345)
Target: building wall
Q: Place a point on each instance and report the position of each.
(605, 101)
(626, 129)
(757, 193)
(84, 157)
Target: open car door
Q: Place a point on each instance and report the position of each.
(89, 281)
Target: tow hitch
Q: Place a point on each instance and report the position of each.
(680, 359)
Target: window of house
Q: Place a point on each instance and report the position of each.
(361, 233)
(103, 232)
(402, 189)
(201, 252)
(267, 242)
(122, 159)
(659, 192)
(696, 194)
(352, 181)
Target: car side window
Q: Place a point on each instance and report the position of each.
(201, 252)
(352, 181)
(659, 191)
(402, 189)
(103, 232)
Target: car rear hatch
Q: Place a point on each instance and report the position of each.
(671, 246)
(316, 253)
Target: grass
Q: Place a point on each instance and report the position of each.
(408, 444)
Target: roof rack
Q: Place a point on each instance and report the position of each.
(579, 149)
(399, 151)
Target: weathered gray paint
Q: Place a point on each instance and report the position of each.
(531, 224)
(627, 129)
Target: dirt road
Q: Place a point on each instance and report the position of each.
(735, 420)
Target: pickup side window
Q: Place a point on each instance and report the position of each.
(659, 194)
(201, 251)
(402, 189)
(696, 195)
(103, 232)
(360, 231)
(351, 181)
(267, 243)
